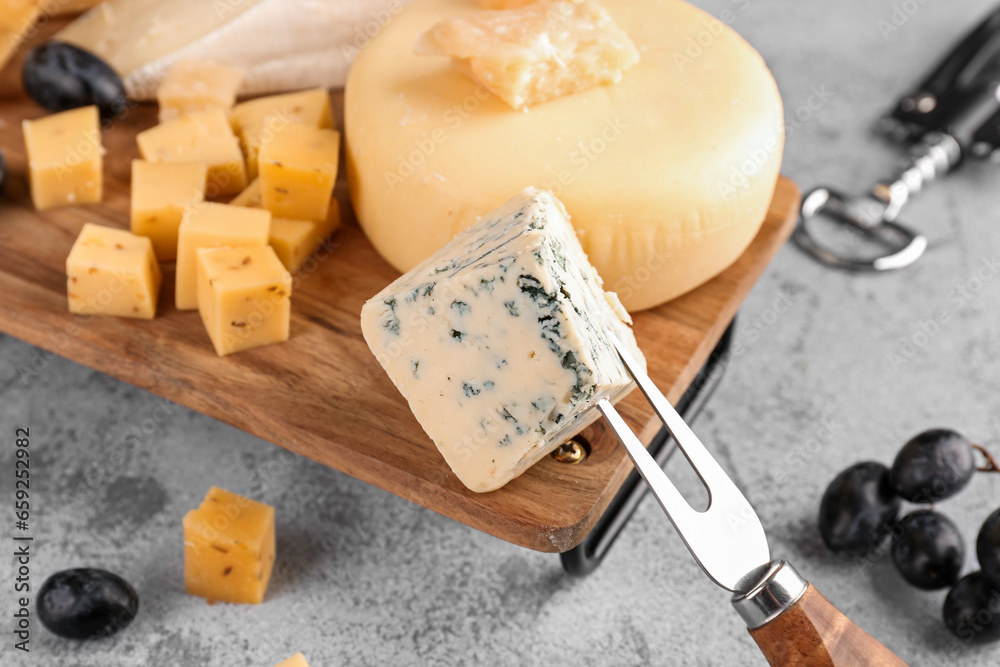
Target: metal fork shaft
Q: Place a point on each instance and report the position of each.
(791, 622)
(727, 539)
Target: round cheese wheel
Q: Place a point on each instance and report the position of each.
(667, 175)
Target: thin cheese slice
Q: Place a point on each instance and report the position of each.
(535, 53)
(501, 341)
(280, 44)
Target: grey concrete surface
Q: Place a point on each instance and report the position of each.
(364, 578)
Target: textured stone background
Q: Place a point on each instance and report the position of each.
(366, 578)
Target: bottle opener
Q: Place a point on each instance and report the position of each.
(952, 115)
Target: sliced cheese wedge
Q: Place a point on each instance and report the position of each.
(281, 44)
(501, 341)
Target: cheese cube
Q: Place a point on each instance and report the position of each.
(112, 272)
(197, 85)
(257, 121)
(65, 158)
(160, 192)
(295, 240)
(297, 660)
(249, 196)
(228, 548)
(243, 297)
(298, 169)
(332, 222)
(17, 17)
(209, 225)
(500, 341)
(534, 53)
(203, 136)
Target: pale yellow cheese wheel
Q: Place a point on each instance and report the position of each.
(667, 175)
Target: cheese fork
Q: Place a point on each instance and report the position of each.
(791, 622)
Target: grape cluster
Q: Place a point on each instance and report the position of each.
(861, 508)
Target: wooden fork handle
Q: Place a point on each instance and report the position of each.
(814, 633)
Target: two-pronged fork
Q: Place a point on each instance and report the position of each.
(792, 623)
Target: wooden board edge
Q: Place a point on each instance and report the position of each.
(528, 534)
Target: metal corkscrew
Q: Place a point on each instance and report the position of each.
(952, 115)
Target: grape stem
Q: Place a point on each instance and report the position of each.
(991, 463)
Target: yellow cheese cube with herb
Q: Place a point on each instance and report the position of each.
(332, 221)
(244, 297)
(160, 192)
(228, 548)
(297, 660)
(17, 19)
(197, 85)
(249, 196)
(65, 158)
(257, 121)
(203, 136)
(210, 225)
(294, 241)
(112, 272)
(298, 169)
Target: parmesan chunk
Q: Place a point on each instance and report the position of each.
(534, 53)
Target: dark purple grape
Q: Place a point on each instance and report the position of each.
(934, 465)
(61, 76)
(988, 547)
(972, 609)
(929, 551)
(857, 508)
(86, 602)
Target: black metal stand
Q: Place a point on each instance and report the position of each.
(584, 558)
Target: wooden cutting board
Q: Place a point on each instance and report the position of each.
(322, 394)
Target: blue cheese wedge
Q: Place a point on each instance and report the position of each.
(500, 341)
